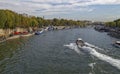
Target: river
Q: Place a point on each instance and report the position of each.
(46, 54)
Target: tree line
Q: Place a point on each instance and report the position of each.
(10, 19)
(115, 23)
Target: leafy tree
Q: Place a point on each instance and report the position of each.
(33, 22)
(2, 19)
(10, 19)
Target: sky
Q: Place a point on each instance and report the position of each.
(94, 10)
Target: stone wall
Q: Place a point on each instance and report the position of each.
(7, 32)
(1, 32)
(17, 29)
(59, 27)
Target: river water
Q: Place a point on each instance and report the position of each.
(47, 54)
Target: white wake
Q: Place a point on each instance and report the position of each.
(74, 47)
(92, 51)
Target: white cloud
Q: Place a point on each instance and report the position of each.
(51, 7)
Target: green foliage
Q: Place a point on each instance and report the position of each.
(110, 24)
(10, 19)
(118, 24)
(115, 23)
(2, 19)
(33, 22)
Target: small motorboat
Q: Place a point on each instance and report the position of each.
(38, 32)
(117, 44)
(80, 43)
(83, 46)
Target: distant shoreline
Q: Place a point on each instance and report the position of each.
(33, 32)
(16, 36)
(113, 32)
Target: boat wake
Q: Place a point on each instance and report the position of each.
(92, 67)
(93, 46)
(74, 47)
(93, 52)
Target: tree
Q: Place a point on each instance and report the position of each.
(111, 24)
(2, 18)
(10, 19)
(33, 22)
(10, 22)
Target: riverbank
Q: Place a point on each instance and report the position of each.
(17, 36)
(114, 32)
(23, 32)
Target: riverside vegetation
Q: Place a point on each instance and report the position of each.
(112, 27)
(10, 20)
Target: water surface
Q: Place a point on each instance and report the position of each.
(46, 54)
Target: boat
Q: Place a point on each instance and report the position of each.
(83, 46)
(117, 44)
(80, 43)
(38, 32)
(46, 29)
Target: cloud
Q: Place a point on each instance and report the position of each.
(52, 7)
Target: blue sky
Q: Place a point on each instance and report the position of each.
(95, 10)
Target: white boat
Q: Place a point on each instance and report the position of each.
(46, 29)
(80, 43)
(38, 32)
(117, 44)
(84, 46)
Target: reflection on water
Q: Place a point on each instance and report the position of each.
(46, 54)
(8, 49)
